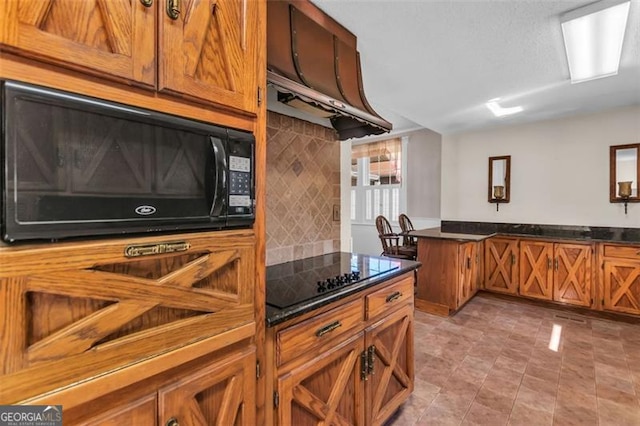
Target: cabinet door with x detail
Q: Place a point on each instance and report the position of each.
(536, 269)
(622, 286)
(501, 266)
(573, 274)
(390, 364)
(327, 389)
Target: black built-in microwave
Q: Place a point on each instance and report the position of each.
(79, 166)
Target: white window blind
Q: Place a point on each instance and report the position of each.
(376, 180)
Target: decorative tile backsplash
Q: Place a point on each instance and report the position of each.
(303, 186)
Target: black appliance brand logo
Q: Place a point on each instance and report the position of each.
(145, 210)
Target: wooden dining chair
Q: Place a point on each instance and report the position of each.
(406, 226)
(390, 241)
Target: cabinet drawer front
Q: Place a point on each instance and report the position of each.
(627, 252)
(303, 337)
(389, 297)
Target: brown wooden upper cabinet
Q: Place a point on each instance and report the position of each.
(112, 38)
(499, 188)
(206, 49)
(624, 173)
(210, 51)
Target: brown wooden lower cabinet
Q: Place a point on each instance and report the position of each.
(117, 339)
(501, 265)
(218, 392)
(562, 272)
(142, 411)
(536, 269)
(469, 272)
(354, 376)
(559, 271)
(621, 278)
(389, 381)
(327, 388)
(450, 274)
(546, 270)
(573, 274)
(221, 393)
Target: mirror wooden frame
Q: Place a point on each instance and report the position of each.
(613, 184)
(507, 180)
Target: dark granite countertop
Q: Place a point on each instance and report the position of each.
(437, 233)
(292, 288)
(559, 232)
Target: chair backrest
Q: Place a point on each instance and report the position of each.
(405, 223)
(406, 226)
(384, 228)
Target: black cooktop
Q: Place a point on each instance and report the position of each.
(292, 283)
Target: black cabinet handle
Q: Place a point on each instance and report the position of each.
(371, 352)
(394, 296)
(328, 328)
(173, 9)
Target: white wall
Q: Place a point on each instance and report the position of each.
(423, 190)
(423, 174)
(365, 237)
(559, 171)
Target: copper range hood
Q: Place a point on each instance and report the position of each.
(313, 63)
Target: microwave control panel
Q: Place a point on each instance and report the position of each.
(240, 185)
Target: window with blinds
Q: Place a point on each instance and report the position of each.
(376, 180)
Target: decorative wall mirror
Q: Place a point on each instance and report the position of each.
(624, 174)
(499, 180)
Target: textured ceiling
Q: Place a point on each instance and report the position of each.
(434, 64)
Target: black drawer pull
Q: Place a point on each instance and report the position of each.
(394, 296)
(328, 328)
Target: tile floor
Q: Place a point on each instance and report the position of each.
(491, 364)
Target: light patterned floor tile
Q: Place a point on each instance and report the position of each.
(491, 365)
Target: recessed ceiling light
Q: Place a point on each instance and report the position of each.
(499, 111)
(593, 37)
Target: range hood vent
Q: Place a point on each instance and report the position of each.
(314, 65)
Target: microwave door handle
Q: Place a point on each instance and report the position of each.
(219, 198)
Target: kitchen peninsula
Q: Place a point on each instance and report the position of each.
(597, 268)
(340, 324)
(451, 272)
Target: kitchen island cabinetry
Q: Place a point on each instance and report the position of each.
(390, 366)
(470, 279)
(350, 362)
(91, 321)
(451, 272)
(205, 51)
(327, 388)
(621, 278)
